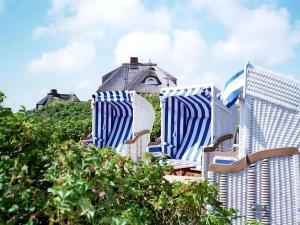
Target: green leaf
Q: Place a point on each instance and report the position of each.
(87, 208)
(13, 208)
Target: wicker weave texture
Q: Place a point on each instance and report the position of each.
(226, 123)
(268, 190)
(273, 87)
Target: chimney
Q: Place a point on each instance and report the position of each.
(53, 92)
(134, 60)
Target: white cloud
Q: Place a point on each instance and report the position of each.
(183, 51)
(135, 30)
(73, 58)
(83, 84)
(59, 6)
(266, 31)
(92, 19)
(154, 46)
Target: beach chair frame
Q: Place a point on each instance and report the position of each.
(263, 181)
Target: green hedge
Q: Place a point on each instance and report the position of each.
(47, 180)
(72, 120)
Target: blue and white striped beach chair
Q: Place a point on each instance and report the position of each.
(192, 118)
(122, 120)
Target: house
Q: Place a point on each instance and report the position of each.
(144, 78)
(53, 95)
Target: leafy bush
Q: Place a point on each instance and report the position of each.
(99, 187)
(44, 180)
(72, 121)
(65, 111)
(154, 100)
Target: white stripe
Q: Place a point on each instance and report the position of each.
(188, 129)
(233, 86)
(191, 148)
(169, 107)
(205, 121)
(113, 118)
(123, 132)
(99, 124)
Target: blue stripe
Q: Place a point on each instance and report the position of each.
(172, 126)
(206, 129)
(178, 123)
(128, 131)
(125, 125)
(181, 92)
(119, 126)
(199, 125)
(192, 124)
(108, 117)
(154, 149)
(102, 122)
(124, 95)
(115, 126)
(225, 161)
(96, 123)
(233, 97)
(188, 110)
(233, 78)
(113, 122)
(202, 124)
(175, 151)
(114, 96)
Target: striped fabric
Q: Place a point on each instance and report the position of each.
(186, 122)
(232, 89)
(154, 149)
(112, 119)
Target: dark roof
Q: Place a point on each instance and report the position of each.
(138, 83)
(54, 95)
(131, 76)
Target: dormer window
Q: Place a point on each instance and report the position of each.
(151, 81)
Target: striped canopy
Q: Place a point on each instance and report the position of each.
(113, 121)
(186, 121)
(232, 89)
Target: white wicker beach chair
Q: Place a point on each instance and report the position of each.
(193, 121)
(262, 179)
(122, 120)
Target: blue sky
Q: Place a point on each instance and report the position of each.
(70, 44)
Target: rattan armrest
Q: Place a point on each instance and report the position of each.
(138, 135)
(216, 144)
(250, 159)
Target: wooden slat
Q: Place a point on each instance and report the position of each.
(249, 159)
(229, 154)
(217, 143)
(133, 140)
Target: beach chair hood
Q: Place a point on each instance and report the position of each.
(189, 121)
(118, 116)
